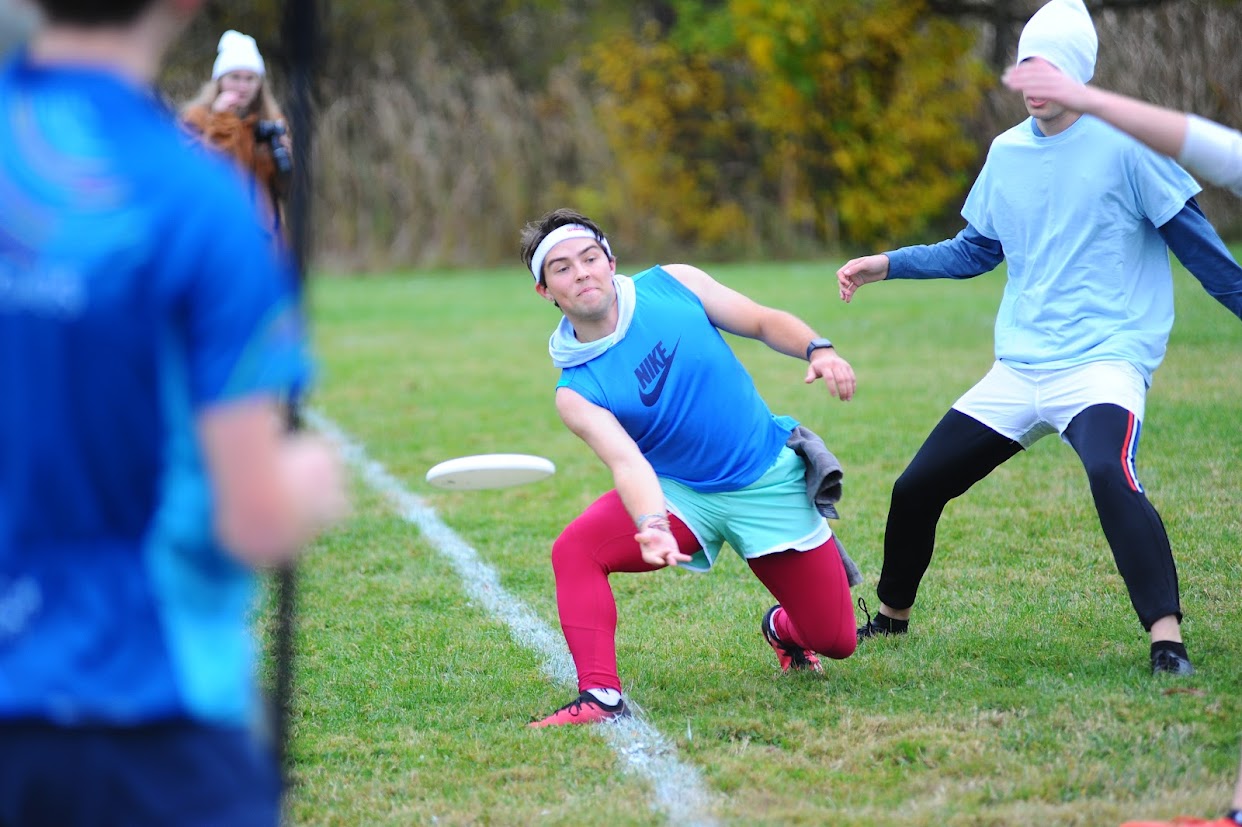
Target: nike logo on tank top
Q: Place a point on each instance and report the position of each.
(676, 387)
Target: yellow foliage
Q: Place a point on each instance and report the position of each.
(832, 117)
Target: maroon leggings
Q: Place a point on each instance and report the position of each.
(810, 585)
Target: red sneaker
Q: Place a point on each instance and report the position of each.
(585, 709)
(1185, 821)
(788, 655)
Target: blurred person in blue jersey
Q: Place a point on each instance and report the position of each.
(147, 334)
(1085, 217)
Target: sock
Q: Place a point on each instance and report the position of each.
(891, 624)
(607, 697)
(1176, 647)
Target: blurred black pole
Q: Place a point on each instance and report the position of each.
(299, 36)
(300, 33)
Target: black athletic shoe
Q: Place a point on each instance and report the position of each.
(1168, 662)
(881, 624)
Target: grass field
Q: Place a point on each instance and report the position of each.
(1021, 697)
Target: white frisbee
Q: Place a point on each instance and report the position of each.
(490, 471)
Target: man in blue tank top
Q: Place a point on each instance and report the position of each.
(147, 338)
(1085, 216)
(697, 459)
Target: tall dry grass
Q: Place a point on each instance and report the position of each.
(1183, 55)
(443, 168)
(428, 157)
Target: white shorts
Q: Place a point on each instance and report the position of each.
(1026, 404)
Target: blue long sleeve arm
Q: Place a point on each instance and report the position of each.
(1194, 241)
(966, 255)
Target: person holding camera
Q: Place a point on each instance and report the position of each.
(236, 113)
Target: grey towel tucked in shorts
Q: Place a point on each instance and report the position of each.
(823, 485)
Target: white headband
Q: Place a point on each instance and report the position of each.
(562, 233)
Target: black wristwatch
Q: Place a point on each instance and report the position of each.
(816, 344)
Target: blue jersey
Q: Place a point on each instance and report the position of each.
(1077, 215)
(136, 290)
(682, 395)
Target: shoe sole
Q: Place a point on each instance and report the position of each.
(613, 717)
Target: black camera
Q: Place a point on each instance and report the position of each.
(271, 132)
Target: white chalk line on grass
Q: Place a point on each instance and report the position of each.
(679, 791)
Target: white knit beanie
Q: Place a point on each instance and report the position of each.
(237, 52)
(1062, 33)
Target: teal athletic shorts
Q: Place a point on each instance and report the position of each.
(771, 514)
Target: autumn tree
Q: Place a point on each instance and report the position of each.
(820, 117)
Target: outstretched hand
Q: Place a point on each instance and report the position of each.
(835, 371)
(859, 271)
(659, 546)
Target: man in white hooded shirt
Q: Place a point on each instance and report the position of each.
(1085, 216)
(1209, 149)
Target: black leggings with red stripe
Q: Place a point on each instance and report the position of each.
(961, 451)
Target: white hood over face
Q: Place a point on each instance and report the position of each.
(1062, 33)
